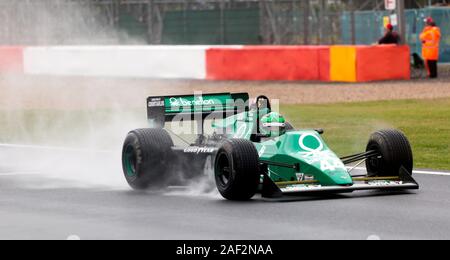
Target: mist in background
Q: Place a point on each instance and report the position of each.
(65, 129)
(59, 22)
(68, 132)
(62, 129)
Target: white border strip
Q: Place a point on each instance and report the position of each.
(417, 172)
(432, 173)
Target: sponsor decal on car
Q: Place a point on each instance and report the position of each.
(156, 102)
(317, 155)
(198, 101)
(300, 188)
(200, 150)
(384, 183)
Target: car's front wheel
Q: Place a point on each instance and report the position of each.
(394, 151)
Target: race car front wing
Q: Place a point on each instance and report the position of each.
(404, 181)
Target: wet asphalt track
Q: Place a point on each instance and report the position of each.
(47, 194)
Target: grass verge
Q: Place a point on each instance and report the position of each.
(348, 126)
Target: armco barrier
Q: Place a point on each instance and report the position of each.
(267, 63)
(312, 63)
(11, 59)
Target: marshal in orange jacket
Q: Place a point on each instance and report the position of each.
(430, 38)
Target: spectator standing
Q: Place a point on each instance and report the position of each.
(430, 38)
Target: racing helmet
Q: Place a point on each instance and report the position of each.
(273, 124)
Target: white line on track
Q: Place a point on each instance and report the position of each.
(5, 174)
(54, 148)
(417, 172)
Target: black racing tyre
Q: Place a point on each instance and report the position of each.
(395, 151)
(145, 158)
(236, 169)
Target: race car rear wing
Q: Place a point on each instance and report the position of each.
(195, 107)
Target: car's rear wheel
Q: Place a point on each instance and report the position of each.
(145, 158)
(237, 170)
(394, 151)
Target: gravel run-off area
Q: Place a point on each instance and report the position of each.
(41, 92)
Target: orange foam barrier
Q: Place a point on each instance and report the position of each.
(369, 63)
(324, 64)
(313, 63)
(11, 59)
(386, 62)
(343, 63)
(267, 63)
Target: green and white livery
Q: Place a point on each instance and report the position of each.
(252, 149)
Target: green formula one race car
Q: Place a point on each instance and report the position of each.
(251, 149)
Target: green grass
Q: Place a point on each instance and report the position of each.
(348, 126)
